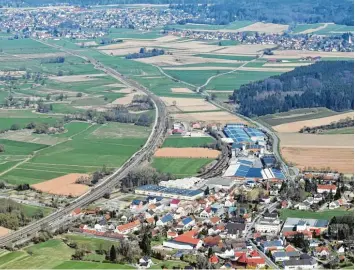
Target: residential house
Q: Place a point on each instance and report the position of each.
(326, 188)
(300, 264)
(336, 204)
(174, 203)
(136, 204)
(211, 241)
(304, 205)
(321, 251)
(234, 230)
(207, 213)
(185, 241)
(267, 225)
(187, 223)
(214, 220)
(145, 262)
(128, 228)
(165, 220)
(251, 259)
(280, 256)
(271, 245)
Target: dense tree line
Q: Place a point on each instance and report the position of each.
(144, 53)
(274, 11)
(327, 84)
(342, 123)
(342, 227)
(117, 114)
(144, 176)
(13, 216)
(59, 59)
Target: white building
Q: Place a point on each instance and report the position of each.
(268, 226)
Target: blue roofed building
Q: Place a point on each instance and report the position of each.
(273, 245)
(165, 220)
(187, 223)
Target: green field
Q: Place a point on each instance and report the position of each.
(296, 115)
(234, 80)
(333, 29)
(53, 254)
(24, 46)
(31, 210)
(326, 214)
(89, 149)
(19, 148)
(195, 77)
(232, 26)
(346, 130)
(180, 167)
(91, 265)
(303, 27)
(177, 141)
(227, 57)
(6, 123)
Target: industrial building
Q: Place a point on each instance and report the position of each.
(187, 183)
(177, 193)
(242, 135)
(245, 168)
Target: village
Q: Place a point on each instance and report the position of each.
(242, 219)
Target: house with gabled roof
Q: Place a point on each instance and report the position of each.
(128, 228)
(185, 241)
(165, 220)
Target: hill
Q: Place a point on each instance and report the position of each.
(327, 84)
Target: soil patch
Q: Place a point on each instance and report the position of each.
(188, 104)
(245, 49)
(25, 135)
(296, 126)
(4, 231)
(317, 140)
(181, 90)
(221, 117)
(77, 78)
(311, 30)
(64, 185)
(340, 159)
(265, 28)
(188, 152)
(292, 54)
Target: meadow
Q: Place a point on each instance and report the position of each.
(24, 46)
(195, 77)
(326, 214)
(232, 26)
(178, 141)
(180, 167)
(227, 57)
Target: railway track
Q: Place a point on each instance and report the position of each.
(154, 140)
(221, 164)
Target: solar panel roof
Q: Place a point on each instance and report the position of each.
(177, 191)
(254, 173)
(278, 174)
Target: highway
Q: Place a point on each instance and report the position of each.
(155, 139)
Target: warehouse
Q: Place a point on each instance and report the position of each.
(245, 169)
(219, 183)
(273, 173)
(177, 193)
(255, 134)
(187, 183)
(237, 133)
(268, 160)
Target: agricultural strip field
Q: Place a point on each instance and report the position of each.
(346, 130)
(91, 265)
(326, 214)
(227, 57)
(296, 115)
(178, 141)
(307, 28)
(332, 29)
(24, 46)
(180, 167)
(234, 80)
(186, 152)
(232, 26)
(298, 125)
(86, 151)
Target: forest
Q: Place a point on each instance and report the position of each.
(327, 84)
(273, 11)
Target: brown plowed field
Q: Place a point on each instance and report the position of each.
(221, 117)
(63, 185)
(4, 231)
(340, 159)
(188, 152)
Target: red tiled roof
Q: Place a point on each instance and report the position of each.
(320, 249)
(76, 211)
(254, 253)
(187, 238)
(128, 226)
(150, 220)
(212, 240)
(327, 187)
(175, 201)
(293, 233)
(289, 248)
(214, 220)
(214, 259)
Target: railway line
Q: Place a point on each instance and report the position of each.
(154, 140)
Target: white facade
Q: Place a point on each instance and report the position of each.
(268, 227)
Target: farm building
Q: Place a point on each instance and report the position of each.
(179, 193)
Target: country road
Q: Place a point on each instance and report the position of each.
(154, 140)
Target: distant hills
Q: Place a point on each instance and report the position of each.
(327, 84)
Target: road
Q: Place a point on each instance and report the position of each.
(154, 140)
(268, 261)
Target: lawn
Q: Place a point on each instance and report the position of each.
(96, 146)
(296, 115)
(303, 27)
(180, 167)
(332, 29)
(326, 214)
(65, 108)
(177, 141)
(236, 79)
(91, 265)
(8, 257)
(90, 242)
(227, 57)
(31, 210)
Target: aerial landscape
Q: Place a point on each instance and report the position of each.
(172, 134)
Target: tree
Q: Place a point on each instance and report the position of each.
(15, 127)
(48, 97)
(2, 148)
(145, 244)
(113, 254)
(337, 195)
(207, 191)
(79, 94)
(210, 252)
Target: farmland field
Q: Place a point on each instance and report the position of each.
(85, 153)
(91, 265)
(232, 26)
(296, 115)
(178, 141)
(326, 214)
(235, 80)
(227, 57)
(346, 130)
(180, 167)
